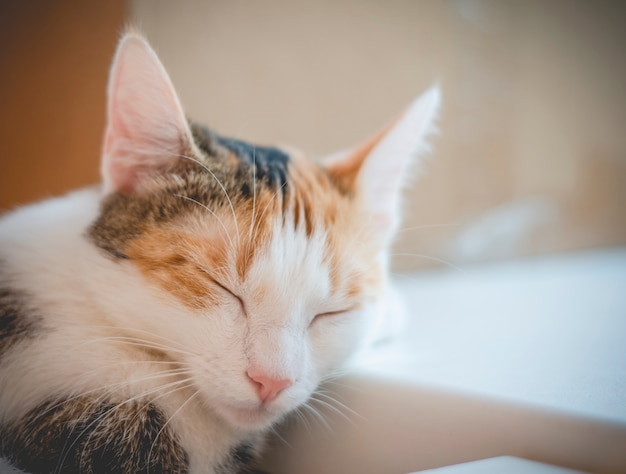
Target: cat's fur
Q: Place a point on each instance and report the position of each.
(165, 321)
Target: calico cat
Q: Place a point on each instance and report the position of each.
(166, 320)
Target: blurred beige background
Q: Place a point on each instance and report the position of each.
(531, 154)
(531, 157)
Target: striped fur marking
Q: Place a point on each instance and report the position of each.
(17, 321)
(87, 437)
(241, 460)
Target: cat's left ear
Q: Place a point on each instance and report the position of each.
(146, 128)
(375, 171)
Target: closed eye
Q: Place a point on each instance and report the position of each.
(225, 289)
(330, 314)
(233, 294)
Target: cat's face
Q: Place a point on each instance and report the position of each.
(270, 266)
(269, 262)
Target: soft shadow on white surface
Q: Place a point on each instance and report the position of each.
(398, 428)
(524, 359)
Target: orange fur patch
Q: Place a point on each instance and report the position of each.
(170, 258)
(183, 257)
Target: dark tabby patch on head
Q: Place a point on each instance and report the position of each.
(267, 165)
(81, 436)
(17, 321)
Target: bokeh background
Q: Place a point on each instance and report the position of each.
(530, 157)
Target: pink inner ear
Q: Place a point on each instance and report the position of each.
(147, 130)
(124, 178)
(121, 181)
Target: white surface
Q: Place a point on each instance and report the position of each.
(500, 465)
(524, 359)
(548, 331)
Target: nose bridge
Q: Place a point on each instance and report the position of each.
(274, 351)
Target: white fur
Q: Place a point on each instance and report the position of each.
(85, 298)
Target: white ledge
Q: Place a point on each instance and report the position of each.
(549, 331)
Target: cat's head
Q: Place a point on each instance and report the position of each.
(268, 263)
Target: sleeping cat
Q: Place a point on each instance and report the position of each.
(166, 320)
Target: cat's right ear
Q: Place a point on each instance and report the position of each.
(376, 170)
(146, 128)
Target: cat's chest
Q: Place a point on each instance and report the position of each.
(121, 394)
(188, 423)
(210, 445)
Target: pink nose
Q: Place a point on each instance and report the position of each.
(268, 388)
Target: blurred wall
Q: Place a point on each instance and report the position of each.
(54, 60)
(531, 155)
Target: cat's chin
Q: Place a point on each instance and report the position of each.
(252, 418)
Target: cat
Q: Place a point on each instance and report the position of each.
(166, 320)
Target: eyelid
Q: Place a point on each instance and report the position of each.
(232, 293)
(334, 313)
(223, 287)
(226, 289)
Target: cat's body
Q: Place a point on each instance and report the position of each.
(165, 321)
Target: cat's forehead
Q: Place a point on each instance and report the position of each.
(229, 207)
(218, 174)
(245, 161)
(267, 182)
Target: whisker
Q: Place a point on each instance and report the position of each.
(253, 195)
(331, 400)
(319, 417)
(178, 410)
(109, 389)
(404, 276)
(258, 224)
(303, 419)
(100, 418)
(206, 208)
(426, 226)
(252, 218)
(131, 329)
(232, 208)
(330, 407)
(120, 364)
(138, 343)
(334, 379)
(278, 436)
(428, 257)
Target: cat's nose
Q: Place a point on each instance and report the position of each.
(268, 387)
